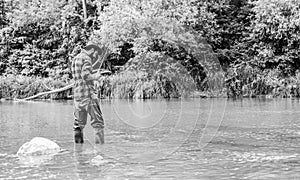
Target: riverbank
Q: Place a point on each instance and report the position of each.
(165, 51)
(20, 87)
(132, 85)
(125, 85)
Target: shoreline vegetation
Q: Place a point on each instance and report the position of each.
(158, 49)
(135, 87)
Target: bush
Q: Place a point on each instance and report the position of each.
(20, 87)
(152, 75)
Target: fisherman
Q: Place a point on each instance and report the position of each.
(85, 96)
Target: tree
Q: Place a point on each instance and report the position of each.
(43, 36)
(275, 35)
(148, 26)
(228, 28)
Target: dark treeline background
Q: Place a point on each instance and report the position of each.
(158, 48)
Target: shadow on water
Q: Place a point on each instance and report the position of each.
(175, 139)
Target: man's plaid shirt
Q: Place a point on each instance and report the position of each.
(82, 71)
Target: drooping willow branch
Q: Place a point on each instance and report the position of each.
(48, 92)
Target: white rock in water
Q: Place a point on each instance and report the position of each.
(98, 161)
(38, 146)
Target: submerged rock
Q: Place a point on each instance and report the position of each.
(38, 146)
(98, 161)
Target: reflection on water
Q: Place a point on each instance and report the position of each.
(158, 139)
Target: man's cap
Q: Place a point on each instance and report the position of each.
(101, 53)
(90, 46)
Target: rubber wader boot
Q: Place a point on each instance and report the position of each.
(78, 135)
(99, 136)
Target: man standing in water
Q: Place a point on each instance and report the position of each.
(85, 96)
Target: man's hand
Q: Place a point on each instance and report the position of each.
(104, 71)
(97, 75)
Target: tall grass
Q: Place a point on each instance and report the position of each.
(149, 75)
(141, 85)
(17, 86)
(253, 82)
(214, 84)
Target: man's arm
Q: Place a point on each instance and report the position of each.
(86, 71)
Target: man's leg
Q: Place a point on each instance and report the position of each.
(80, 117)
(97, 121)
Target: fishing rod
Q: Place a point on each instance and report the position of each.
(101, 60)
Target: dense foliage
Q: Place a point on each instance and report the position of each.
(238, 47)
(269, 49)
(18, 86)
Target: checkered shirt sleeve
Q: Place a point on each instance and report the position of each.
(81, 71)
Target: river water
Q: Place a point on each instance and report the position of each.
(158, 139)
